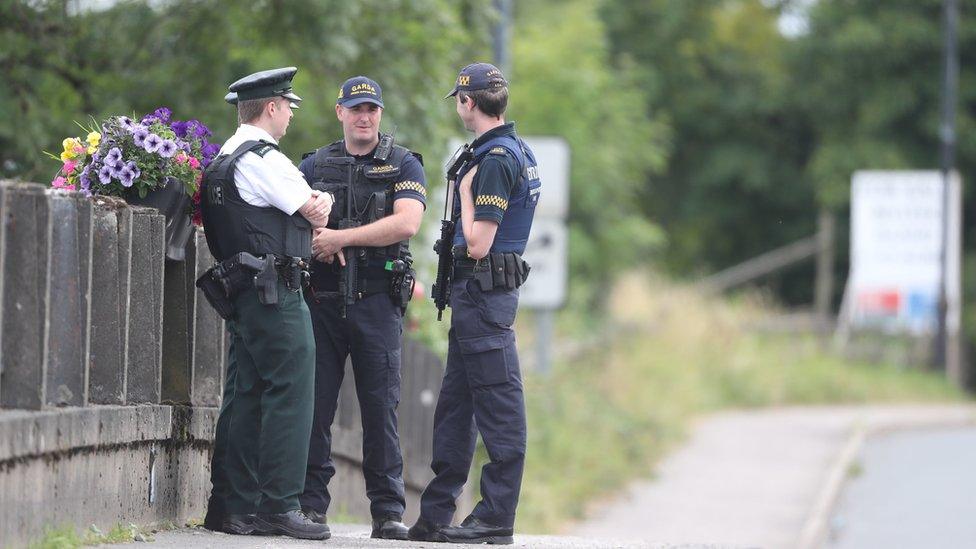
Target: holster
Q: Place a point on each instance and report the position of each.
(213, 290)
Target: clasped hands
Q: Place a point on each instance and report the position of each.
(327, 244)
(318, 212)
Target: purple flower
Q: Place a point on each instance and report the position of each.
(199, 130)
(167, 148)
(114, 157)
(132, 167)
(179, 128)
(126, 176)
(209, 151)
(152, 143)
(127, 123)
(139, 136)
(105, 175)
(85, 178)
(163, 114)
(97, 157)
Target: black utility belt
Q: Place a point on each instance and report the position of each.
(243, 271)
(365, 287)
(496, 270)
(398, 282)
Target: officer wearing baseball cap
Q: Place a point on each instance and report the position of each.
(388, 197)
(495, 198)
(258, 213)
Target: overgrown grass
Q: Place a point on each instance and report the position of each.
(604, 417)
(66, 537)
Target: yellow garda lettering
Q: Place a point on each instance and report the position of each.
(340, 93)
(464, 80)
(362, 88)
(382, 169)
(492, 73)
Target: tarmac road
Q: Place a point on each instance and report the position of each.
(912, 489)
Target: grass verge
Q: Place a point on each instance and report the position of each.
(602, 417)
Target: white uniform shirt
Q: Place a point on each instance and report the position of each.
(271, 180)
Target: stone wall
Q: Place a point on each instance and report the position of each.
(111, 371)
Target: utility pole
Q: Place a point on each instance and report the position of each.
(946, 354)
(501, 36)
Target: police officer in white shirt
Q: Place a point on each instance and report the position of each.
(258, 213)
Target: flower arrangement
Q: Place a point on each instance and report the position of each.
(128, 158)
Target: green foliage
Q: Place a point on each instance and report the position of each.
(564, 85)
(63, 64)
(66, 537)
(713, 70)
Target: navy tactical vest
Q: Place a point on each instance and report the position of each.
(513, 232)
(231, 225)
(372, 199)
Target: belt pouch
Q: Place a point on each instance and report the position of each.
(213, 290)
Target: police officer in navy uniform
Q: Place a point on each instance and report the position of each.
(258, 214)
(497, 192)
(388, 197)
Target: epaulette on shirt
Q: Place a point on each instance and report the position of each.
(263, 150)
(498, 150)
(308, 154)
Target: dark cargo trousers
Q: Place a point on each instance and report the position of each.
(481, 392)
(265, 418)
(371, 333)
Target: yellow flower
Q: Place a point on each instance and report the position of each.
(94, 138)
(67, 155)
(68, 143)
(92, 149)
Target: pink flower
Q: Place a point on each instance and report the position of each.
(69, 187)
(194, 163)
(59, 182)
(69, 166)
(182, 158)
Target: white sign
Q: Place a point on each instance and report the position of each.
(552, 156)
(546, 254)
(896, 245)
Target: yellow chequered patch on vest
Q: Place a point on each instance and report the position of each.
(410, 186)
(491, 200)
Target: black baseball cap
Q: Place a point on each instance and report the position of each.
(269, 83)
(360, 89)
(478, 76)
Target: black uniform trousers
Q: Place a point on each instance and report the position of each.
(371, 333)
(266, 413)
(481, 392)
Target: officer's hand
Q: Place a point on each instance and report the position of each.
(342, 258)
(316, 210)
(326, 242)
(326, 198)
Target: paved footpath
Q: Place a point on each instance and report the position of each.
(355, 536)
(764, 478)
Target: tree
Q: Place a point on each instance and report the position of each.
(563, 84)
(734, 186)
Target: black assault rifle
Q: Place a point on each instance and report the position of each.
(349, 275)
(441, 290)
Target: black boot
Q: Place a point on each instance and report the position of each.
(293, 524)
(473, 530)
(239, 525)
(315, 516)
(389, 527)
(425, 530)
